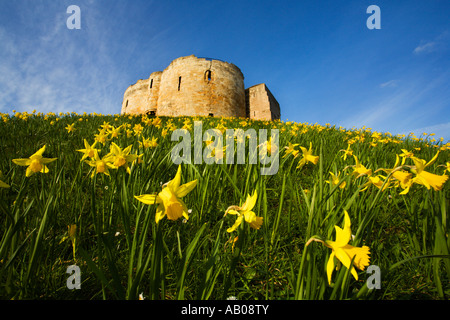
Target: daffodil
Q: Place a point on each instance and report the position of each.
(345, 252)
(121, 158)
(88, 150)
(149, 143)
(3, 184)
(72, 235)
(114, 132)
(138, 129)
(335, 179)
(290, 149)
(35, 163)
(70, 127)
(378, 181)
(401, 178)
(245, 213)
(100, 165)
(169, 199)
(267, 147)
(307, 157)
(425, 178)
(360, 170)
(347, 152)
(446, 166)
(102, 137)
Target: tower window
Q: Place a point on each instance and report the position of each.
(151, 83)
(179, 83)
(208, 75)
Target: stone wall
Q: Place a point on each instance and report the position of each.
(261, 104)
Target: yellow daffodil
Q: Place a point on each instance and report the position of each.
(88, 150)
(149, 143)
(3, 184)
(360, 170)
(121, 158)
(114, 132)
(35, 163)
(100, 165)
(267, 147)
(138, 129)
(102, 137)
(345, 252)
(72, 235)
(425, 178)
(169, 199)
(290, 149)
(377, 181)
(401, 178)
(70, 127)
(244, 212)
(446, 166)
(307, 157)
(335, 179)
(347, 152)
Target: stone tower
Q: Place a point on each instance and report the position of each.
(192, 86)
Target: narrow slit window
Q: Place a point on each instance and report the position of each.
(151, 83)
(208, 75)
(179, 83)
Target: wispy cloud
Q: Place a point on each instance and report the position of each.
(440, 130)
(425, 48)
(439, 43)
(57, 69)
(389, 84)
(401, 110)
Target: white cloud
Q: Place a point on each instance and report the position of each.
(389, 84)
(58, 70)
(425, 48)
(440, 130)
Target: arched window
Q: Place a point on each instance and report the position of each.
(208, 75)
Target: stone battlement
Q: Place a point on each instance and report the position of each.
(192, 86)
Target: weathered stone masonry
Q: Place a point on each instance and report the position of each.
(192, 86)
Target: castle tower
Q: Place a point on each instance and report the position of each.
(135, 99)
(204, 87)
(192, 86)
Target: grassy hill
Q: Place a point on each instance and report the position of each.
(76, 209)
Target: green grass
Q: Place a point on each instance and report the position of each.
(122, 252)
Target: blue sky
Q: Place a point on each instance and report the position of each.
(317, 57)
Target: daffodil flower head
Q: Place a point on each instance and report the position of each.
(3, 184)
(88, 151)
(307, 157)
(36, 163)
(121, 158)
(169, 199)
(345, 252)
(359, 169)
(245, 213)
(100, 165)
(425, 178)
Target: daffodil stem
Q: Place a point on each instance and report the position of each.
(235, 259)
